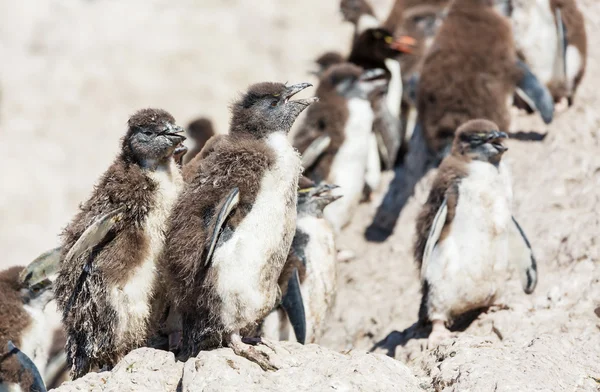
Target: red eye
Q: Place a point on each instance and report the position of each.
(274, 103)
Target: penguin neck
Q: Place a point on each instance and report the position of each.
(157, 164)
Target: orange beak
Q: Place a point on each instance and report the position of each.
(404, 44)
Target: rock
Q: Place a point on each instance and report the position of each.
(144, 369)
(546, 363)
(301, 368)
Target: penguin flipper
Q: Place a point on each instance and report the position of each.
(293, 305)
(434, 234)
(561, 52)
(535, 93)
(42, 268)
(95, 233)
(28, 366)
(230, 202)
(523, 257)
(315, 150)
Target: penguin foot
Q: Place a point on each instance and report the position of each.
(439, 333)
(259, 340)
(250, 353)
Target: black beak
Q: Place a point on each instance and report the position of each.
(174, 131)
(295, 89)
(495, 138)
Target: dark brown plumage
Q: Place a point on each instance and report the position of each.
(14, 319)
(470, 72)
(261, 119)
(199, 130)
(85, 286)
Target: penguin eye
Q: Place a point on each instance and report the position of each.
(147, 133)
(274, 103)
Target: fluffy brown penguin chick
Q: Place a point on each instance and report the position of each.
(104, 289)
(471, 71)
(199, 130)
(23, 322)
(344, 116)
(466, 234)
(232, 227)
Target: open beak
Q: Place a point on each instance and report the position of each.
(404, 44)
(174, 130)
(495, 138)
(295, 89)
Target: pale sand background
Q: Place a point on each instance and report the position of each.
(72, 71)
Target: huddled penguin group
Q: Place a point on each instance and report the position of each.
(232, 242)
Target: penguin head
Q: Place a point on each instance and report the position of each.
(38, 295)
(200, 130)
(313, 199)
(352, 10)
(267, 108)
(152, 136)
(351, 81)
(379, 44)
(325, 61)
(480, 140)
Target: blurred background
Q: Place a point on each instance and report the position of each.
(73, 71)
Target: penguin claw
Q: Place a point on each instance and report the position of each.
(260, 358)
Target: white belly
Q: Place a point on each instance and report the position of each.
(574, 65)
(350, 163)
(319, 286)
(535, 33)
(393, 97)
(240, 261)
(467, 268)
(132, 301)
(37, 340)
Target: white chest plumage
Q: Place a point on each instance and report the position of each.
(466, 267)
(536, 36)
(393, 97)
(263, 236)
(350, 163)
(132, 300)
(319, 286)
(37, 339)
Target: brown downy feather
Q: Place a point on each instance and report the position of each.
(469, 72)
(82, 288)
(236, 160)
(14, 320)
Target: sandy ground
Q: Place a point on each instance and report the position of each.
(72, 72)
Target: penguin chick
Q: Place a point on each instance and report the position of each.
(23, 324)
(240, 205)
(308, 280)
(344, 114)
(199, 130)
(471, 71)
(104, 290)
(326, 60)
(464, 230)
(551, 38)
